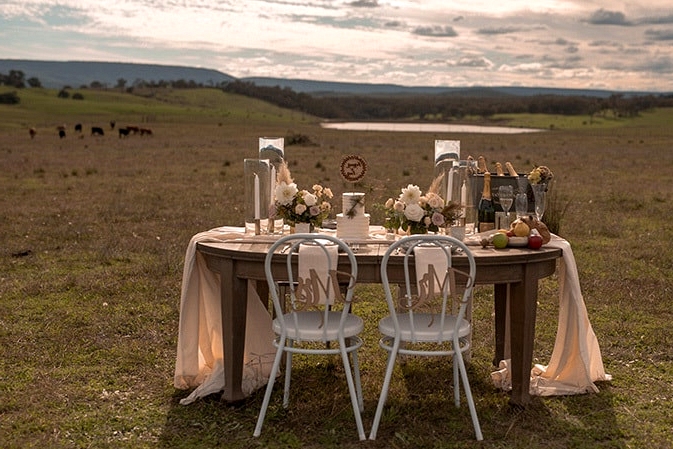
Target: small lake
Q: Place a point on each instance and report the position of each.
(427, 128)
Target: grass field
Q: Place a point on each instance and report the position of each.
(92, 241)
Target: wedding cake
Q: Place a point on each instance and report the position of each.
(353, 223)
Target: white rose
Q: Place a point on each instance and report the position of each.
(310, 199)
(435, 201)
(299, 209)
(414, 212)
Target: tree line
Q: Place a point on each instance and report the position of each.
(445, 106)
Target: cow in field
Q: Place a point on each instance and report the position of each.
(96, 130)
(144, 131)
(133, 129)
(112, 124)
(78, 128)
(123, 132)
(32, 132)
(61, 133)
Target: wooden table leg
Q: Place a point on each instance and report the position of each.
(500, 322)
(234, 292)
(522, 308)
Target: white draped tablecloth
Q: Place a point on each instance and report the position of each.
(576, 361)
(199, 361)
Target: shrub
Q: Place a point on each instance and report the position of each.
(9, 98)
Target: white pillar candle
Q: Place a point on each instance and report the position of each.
(449, 186)
(257, 210)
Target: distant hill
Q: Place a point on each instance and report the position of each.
(56, 75)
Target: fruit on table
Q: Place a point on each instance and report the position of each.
(535, 239)
(521, 229)
(500, 240)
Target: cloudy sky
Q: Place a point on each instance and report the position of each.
(606, 44)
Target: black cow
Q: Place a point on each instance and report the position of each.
(95, 130)
(61, 133)
(123, 132)
(78, 128)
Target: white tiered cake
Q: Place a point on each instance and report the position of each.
(353, 223)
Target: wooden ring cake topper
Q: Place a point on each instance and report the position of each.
(353, 168)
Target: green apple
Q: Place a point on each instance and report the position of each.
(500, 240)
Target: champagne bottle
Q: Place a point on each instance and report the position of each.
(510, 169)
(481, 165)
(498, 169)
(486, 210)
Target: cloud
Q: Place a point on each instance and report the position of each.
(435, 31)
(663, 20)
(474, 61)
(498, 30)
(659, 35)
(605, 17)
(365, 4)
(393, 24)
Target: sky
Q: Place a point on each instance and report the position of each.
(596, 44)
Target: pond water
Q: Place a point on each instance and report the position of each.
(426, 127)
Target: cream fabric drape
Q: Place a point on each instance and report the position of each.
(199, 361)
(576, 361)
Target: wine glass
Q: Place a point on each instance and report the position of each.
(540, 193)
(506, 195)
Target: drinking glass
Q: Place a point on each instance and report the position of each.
(521, 205)
(540, 193)
(506, 196)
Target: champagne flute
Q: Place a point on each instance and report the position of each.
(540, 193)
(506, 195)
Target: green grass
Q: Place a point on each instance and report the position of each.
(92, 239)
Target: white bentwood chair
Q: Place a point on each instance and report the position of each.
(429, 318)
(319, 312)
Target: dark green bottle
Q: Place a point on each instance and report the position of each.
(486, 210)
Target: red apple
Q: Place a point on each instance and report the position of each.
(534, 241)
(511, 233)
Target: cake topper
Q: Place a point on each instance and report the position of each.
(353, 168)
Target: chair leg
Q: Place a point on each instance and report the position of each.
(288, 375)
(358, 381)
(355, 399)
(456, 382)
(384, 391)
(269, 390)
(468, 395)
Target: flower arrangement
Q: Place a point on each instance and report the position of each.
(417, 213)
(299, 206)
(540, 175)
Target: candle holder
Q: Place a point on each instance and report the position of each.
(447, 157)
(256, 179)
(273, 149)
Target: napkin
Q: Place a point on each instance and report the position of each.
(313, 262)
(427, 283)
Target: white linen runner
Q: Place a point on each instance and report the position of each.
(199, 361)
(576, 361)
